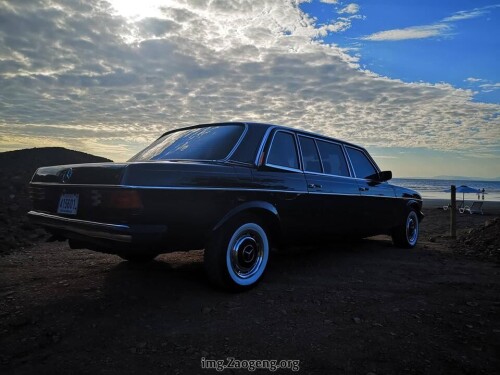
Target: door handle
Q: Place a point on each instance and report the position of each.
(314, 186)
(364, 189)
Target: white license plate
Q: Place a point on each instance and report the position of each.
(68, 204)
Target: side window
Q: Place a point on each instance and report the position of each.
(333, 159)
(310, 155)
(283, 151)
(362, 166)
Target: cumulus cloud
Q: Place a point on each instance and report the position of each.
(350, 9)
(88, 76)
(441, 28)
(473, 80)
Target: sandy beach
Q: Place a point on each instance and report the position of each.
(351, 307)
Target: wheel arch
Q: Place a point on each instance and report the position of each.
(417, 206)
(264, 210)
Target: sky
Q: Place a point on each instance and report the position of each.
(415, 82)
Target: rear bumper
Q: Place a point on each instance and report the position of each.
(118, 233)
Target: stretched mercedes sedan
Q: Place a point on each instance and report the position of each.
(233, 189)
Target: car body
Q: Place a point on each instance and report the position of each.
(234, 189)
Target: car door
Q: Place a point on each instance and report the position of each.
(333, 194)
(378, 198)
(281, 181)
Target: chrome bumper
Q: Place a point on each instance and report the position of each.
(114, 232)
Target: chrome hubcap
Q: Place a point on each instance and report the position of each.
(412, 228)
(246, 255)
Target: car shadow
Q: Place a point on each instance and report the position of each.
(182, 274)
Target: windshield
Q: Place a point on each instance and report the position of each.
(204, 143)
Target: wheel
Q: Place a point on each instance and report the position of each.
(236, 257)
(138, 258)
(406, 235)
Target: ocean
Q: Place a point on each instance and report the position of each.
(430, 188)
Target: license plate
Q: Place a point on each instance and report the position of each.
(68, 204)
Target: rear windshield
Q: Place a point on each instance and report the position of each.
(204, 143)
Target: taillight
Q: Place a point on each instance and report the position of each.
(129, 199)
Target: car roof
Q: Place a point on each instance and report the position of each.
(281, 127)
(304, 132)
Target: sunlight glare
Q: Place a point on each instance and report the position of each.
(139, 9)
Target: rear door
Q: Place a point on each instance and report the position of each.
(378, 198)
(282, 181)
(333, 194)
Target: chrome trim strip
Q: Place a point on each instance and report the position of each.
(172, 187)
(224, 189)
(284, 168)
(330, 175)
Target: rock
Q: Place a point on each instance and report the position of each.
(472, 304)
(356, 320)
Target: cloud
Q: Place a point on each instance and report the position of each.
(329, 1)
(473, 80)
(441, 28)
(468, 14)
(414, 32)
(489, 87)
(82, 74)
(350, 9)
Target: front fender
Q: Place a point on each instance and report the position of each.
(417, 205)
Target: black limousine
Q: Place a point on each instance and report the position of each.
(233, 189)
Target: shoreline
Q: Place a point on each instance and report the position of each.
(489, 207)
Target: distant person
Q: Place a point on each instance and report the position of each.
(482, 191)
(478, 194)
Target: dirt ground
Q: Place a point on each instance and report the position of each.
(357, 308)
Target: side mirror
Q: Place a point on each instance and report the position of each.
(385, 176)
(380, 176)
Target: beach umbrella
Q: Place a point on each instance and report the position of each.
(465, 189)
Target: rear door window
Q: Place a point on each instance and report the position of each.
(283, 152)
(332, 158)
(310, 156)
(363, 167)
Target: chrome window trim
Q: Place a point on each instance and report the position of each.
(263, 144)
(315, 139)
(317, 150)
(364, 152)
(342, 149)
(226, 158)
(330, 175)
(233, 150)
(284, 168)
(296, 151)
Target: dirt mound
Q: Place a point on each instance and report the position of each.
(16, 169)
(482, 241)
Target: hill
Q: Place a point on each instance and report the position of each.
(16, 169)
(28, 160)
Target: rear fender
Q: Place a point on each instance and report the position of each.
(264, 210)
